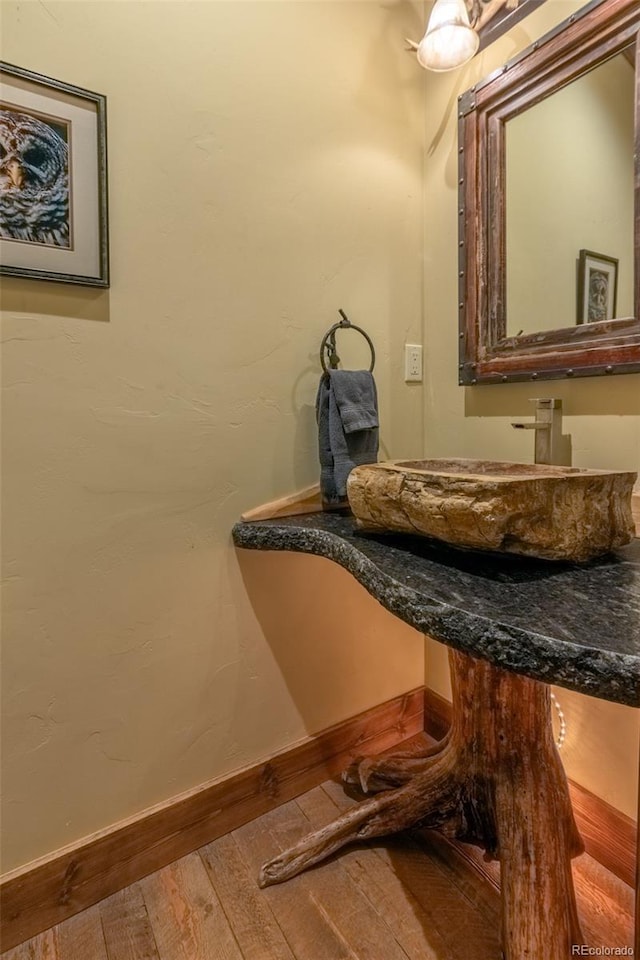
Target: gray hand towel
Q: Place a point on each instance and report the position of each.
(347, 415)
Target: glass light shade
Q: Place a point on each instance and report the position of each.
(449, 41)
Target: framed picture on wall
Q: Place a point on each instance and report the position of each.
(597, 287)
(53, 180)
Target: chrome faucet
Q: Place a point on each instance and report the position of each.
(548, 428)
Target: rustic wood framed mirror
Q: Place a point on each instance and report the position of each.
(549, 206)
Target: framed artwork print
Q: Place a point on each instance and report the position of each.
(53, 180)
(597, 287)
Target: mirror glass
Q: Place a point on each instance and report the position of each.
(569, 213)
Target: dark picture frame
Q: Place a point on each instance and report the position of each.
(597, 287)
(53, 180)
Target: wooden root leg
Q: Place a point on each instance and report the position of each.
(539, 914)
(429, 802)
(512, 741)
(373, 774)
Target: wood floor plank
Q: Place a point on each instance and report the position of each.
(466, 869)
(452, 917)
(303, 922)
(346, 909)
(596, 876)
(187, 919)
(605, 904)
(42, 947)
(419, 938)
(127, 928)
(81, 937)
(245, 905)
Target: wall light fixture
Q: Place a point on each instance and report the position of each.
(450, 40)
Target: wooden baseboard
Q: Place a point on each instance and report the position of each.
(437, 714)
(50, 890)
(609, 836)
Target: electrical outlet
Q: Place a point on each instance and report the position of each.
(413, 363)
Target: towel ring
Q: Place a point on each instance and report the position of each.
(329, 343)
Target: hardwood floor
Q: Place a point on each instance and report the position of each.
(410, 897)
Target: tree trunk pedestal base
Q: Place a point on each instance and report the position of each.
(496, 780)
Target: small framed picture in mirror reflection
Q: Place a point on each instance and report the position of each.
(597, 287)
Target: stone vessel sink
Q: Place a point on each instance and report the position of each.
(557, 513)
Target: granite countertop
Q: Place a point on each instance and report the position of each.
(577, 626)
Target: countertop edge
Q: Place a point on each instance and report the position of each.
(587, 670)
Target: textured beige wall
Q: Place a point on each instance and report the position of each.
(265, 168)
(602, 416)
